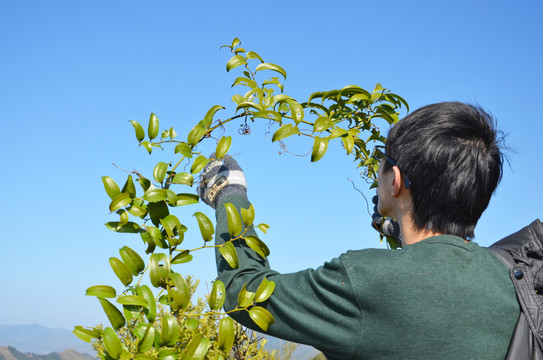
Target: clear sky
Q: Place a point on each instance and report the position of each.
(73, 73)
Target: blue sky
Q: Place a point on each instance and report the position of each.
(73, 73)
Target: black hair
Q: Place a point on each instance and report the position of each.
(451, 153)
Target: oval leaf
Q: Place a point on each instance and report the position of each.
(121, 270)
(227, 332)
(348, 143)
(248, 215)
(245, 298)
(285, 131)
(234, 62)
(112, 189)
(228, 252)
(262, 317)
(319, 148)
(119, 201)
(197, 348)
(217, 296)
(159, 173)
(273, 67)
(257, 245)
(198, 164)
(132, 260)
(179, 292)
(103, 291)
(132, 300)
(264, 291)
(206, 226)
(223, 146)
(169, 332)
(159, 269)
(113, 314)
(183, 257)
(140, 134)
(152, 131)
(145, 292)
(187, 199)
(112, 343)
(155, 195)
(208, 119)
(148, 340)
(322, 123)
(234, 220)
(183, 178)
(195, 135)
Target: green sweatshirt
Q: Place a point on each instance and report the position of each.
(440, 298)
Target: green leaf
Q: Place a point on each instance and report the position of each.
(179, 292)
(196, 348)
(199, 163)
(103, 291)
(137, 211)
(235, 42)
(234, 62)
(169, 332)
(234, 220)
(183, 178)
(319, 148)
(249, 104)
(172, 225)
(148, 340)
(86, 334)
(147, 145)
(171, 196)
(206, 226)
(168, 354)
(129, 227)
(248, 215)
(223, 146)
(359, 97)
(121, 270)
(208, 119)
(245, 82)
(159, 269)
(184, 149)
(187, 199)
(378, 88)
(132, 300)
(217, 296)
(195, 135)
(253, 55)
(191, 324)
(132, 260)
(284, 132)
(296, 111)
(152, 131)
(348, 143)
(263, 227)
(111, 187)
(145, 292)
(245, 298)
(227, 333)
(144, 183)
(273, 67)
(264, 291)
(268, 114)
(322, 123)
(238, 99)
(228, 252)
(157, 237)
(129, 187)
(155, 195)
(158, 210)
(257, 245)
(119, 201)
(114, 315)
(182, 257)
(112, 343)
(160, 172)
(140, 134)
(262, 317)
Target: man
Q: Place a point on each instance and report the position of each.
(440, 297)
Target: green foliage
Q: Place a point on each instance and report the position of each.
(162, 321)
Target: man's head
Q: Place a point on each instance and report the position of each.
(451, 155)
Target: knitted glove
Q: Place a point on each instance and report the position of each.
(220, 178)
(385, 225)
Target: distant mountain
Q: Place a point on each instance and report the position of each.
(41, 340)
(10, 353)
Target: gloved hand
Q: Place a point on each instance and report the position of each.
(385, 225)
(221, 178)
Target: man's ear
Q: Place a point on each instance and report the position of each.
(396, 181)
